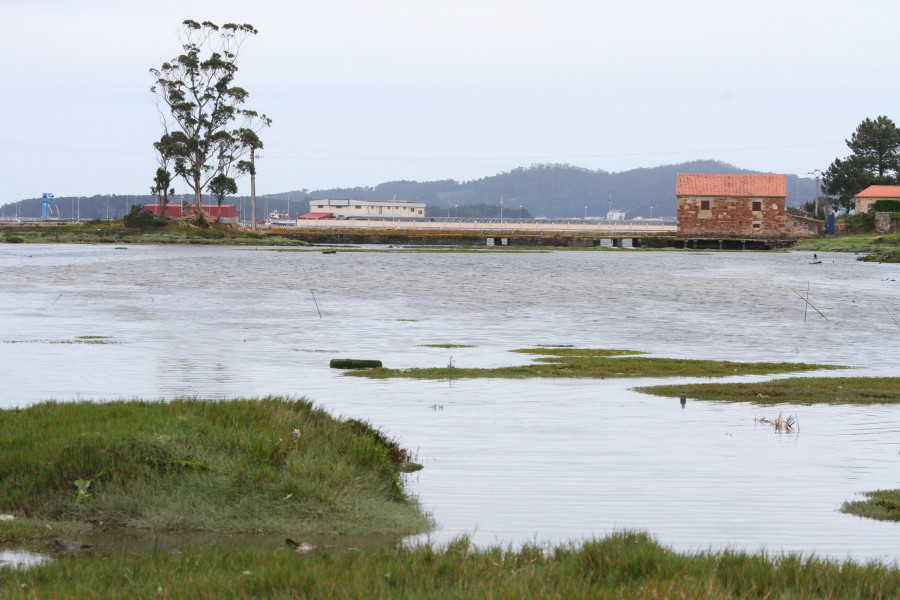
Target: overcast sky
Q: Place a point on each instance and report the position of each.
(363, 92)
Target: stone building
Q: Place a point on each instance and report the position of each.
(738, 206)
(866, 199)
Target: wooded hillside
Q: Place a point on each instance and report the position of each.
(542, 190)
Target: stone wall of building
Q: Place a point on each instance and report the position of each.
(745, 218)
(798, 226)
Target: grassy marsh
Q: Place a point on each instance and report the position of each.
(114, 232)
(622, 565)
(594, 363)
(862, 242)
(796, 390)
(266, 465)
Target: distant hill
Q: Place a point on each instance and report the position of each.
(542, 190)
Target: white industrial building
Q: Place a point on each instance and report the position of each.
(369, 209)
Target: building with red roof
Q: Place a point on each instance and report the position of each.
(742, 206)
(866, 199)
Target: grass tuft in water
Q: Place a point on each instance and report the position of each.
(881, 505)
(594, 363)
(796, 390)
(264, 465)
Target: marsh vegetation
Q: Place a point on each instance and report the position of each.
(115, 232)
(622, 565)
(259, 465)
(797, 390)
(595, 363)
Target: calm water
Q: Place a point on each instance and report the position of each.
(506, 461)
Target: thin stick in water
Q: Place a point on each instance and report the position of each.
(806, 306)
(311, 292)
(810, 304)
(892, 316)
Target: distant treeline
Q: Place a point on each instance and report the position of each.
(541, 190)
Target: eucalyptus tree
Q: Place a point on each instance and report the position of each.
(201, 108)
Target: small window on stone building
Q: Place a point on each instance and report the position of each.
(756, 226)
(704, 205)
(757, 206)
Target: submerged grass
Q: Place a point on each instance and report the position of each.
(594, 363)
(622, 565)
(446, 346)
(797, 390)
(81, 339)
(267, 465)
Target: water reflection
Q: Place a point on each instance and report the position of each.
(507, 461)
(21, 558)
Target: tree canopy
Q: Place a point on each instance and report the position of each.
(875, 160)
(206, 128)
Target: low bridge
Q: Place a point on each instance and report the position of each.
(536, 232)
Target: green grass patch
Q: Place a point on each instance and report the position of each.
(892, 256)
(115, 232)
(796, 390)
(622, 565)
(881, 505)
(865, 242)
(596, 364)
(267, 465)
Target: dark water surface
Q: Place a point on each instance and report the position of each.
(505, 461)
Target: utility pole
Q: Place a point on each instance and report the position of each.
(816, 172)
(252, 188)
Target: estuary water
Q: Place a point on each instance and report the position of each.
(506, 462)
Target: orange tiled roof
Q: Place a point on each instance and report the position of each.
(753, 186)
(880, 191)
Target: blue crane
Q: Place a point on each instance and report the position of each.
(47, 203)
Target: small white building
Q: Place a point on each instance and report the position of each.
(369, 209)
(616, 214)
